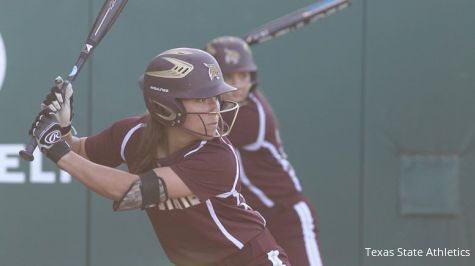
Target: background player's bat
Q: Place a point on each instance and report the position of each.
(294, 20)
(107, 15)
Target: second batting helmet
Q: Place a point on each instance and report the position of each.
(233, 55)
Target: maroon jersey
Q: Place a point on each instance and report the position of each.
(266, 174)
(199, 229)
(270, 184)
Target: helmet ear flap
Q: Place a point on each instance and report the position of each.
(162, 110)
(166, 115)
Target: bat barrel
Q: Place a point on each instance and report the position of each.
(294, 20)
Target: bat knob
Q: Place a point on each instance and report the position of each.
(26, 156)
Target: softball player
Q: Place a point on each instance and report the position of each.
(183, 171)
(270, 184)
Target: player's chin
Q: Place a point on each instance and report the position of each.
(241, 97)
(209, 136)
(210, 133)
(213, 132)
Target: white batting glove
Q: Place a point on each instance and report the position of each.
(60, 102)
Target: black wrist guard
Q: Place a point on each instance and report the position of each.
(58, 150)
(153, 189)
(65, 130)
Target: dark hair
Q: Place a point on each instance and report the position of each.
(153, 136)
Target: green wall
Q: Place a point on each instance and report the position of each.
(374, 104)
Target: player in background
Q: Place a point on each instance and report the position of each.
(183, 170)
(270, 184)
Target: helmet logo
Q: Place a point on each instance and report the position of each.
(231, 56)
(178, 71)
(160, 89)
(213, 71)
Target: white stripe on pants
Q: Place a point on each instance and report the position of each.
(310, 239)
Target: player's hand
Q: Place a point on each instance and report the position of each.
(47, 131)
(60, 102)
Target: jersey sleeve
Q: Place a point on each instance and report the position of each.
(104, 148)
(211, 171)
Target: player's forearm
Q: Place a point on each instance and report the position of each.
(77, 144)
(105, 181)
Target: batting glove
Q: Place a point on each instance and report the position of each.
(60, 102)
(47, 131)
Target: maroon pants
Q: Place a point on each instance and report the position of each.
(260, 251)
(293, 223)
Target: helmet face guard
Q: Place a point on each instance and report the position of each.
(223, 128)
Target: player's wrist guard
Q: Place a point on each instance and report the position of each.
(57, 151)
(65, 130)
(147, 192)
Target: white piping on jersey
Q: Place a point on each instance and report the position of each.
(223, 230)
(309, 237)
(262, 126)
(259, 193)
(202, 143)
(261, 142)
(285, 164)
(126, 139)
(233, 191)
